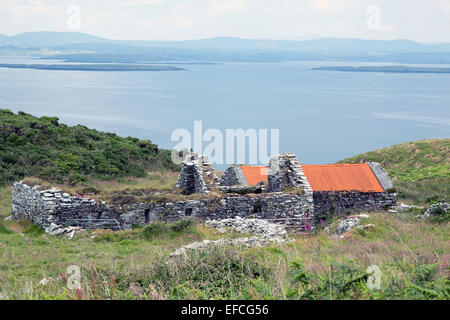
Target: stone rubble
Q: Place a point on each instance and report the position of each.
(58, 230)
(266, 233)
(346, 225)
(269, 231)
(440, 206)
(247, 242)
(405, 207)
(45, 281)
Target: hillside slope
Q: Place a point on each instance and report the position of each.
(420, 170)
(43, 147)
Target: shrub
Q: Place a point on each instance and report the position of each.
(213, 274)
(155, 229)
(182, 225)
(42, 147)
(342, 281)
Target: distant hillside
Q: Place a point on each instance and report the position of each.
(222, 49)
(49, 39)
(420, 170)
(43, 147)
(339, 45)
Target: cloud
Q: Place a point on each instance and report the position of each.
(441, 4)
(321, 4)
(387, 28)
(181, 22)
(228, 6)
(138, 2)
(192, 19)
(34, 8)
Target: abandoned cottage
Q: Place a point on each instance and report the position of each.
(286, 192)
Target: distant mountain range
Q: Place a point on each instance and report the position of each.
(83, 47)
(45, 39)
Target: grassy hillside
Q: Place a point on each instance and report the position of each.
(411, 254)
(44, 148)
(420, 170)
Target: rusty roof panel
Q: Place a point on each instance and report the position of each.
(255, 174)
(342, 177)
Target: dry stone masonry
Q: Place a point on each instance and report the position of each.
(289, 200)
(44, 207)
(233, 176)
(286, 172)
(197, 175)
(382, 176)
(344, 202)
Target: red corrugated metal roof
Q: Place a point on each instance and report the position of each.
(255, 174)
(342, 177)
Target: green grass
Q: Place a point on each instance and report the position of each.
(5, 202)
(420, 170)
(412, 254)
(44, 148)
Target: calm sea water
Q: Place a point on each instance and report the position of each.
(323, 116)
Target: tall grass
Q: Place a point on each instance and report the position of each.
(413, 256)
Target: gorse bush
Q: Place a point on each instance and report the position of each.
(44, 148)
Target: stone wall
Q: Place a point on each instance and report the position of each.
(288, 209)
(342, 203)
(51, 206)
(286, 172)
(297, 209)
(233, 176)
(381, 176)
(197, 175)
(30, 203)
(44, 207)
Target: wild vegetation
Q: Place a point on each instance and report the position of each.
(420, 170)
(44, 148)
(412, 254)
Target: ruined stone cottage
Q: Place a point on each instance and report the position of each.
(285, 192)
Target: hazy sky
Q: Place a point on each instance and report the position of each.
(420, 20)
